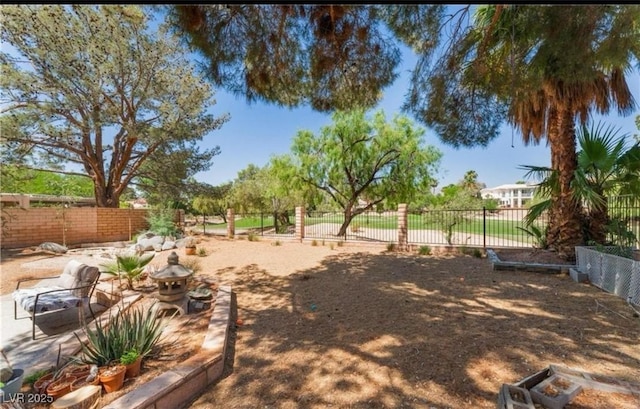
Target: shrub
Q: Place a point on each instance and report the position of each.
(355, 227)
(340, 243)
(477, 253)
(314, 243)
(136, 328)
(277, 243)
(253, 237)
(424, 250)
(161, 222)
(391, 246)
(202, 252)
(331, 246)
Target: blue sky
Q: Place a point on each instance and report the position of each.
(257, 131)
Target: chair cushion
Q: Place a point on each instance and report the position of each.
(26, 297)
(77, 274)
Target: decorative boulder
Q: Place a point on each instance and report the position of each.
(53, 247)
(168, 245)
(151, 243)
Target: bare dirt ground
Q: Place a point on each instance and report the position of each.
(360, 327)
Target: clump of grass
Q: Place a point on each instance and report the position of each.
(253, 237)
(202, 252)
(391, 246)
(424, 250)
(33, 377)
(323, 242)
(314, 243)
(355, 227)
(477, 253)
(192, 264)
(340, 243)
(277, 243)
(331, 246)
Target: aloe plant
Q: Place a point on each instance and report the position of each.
(135, 329)
(128, 266)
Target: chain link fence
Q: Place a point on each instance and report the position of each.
(610, 271)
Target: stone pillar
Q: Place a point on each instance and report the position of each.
(300, 222)
(231, 224)
(403, 237)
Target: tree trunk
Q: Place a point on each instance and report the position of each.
(348, 216)
(596, 223)
(566, 228)
(106, 197)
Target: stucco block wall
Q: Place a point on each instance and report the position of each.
(70, 226)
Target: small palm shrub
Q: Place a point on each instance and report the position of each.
(202, 252)
(128, 266)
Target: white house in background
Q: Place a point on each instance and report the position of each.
(510, 195)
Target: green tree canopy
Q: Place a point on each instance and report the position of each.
(90, 88)
(327, 56)
(370, 159)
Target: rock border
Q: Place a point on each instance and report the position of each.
(523, 266)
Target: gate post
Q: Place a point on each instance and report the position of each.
(231, 224)
(300, 222)
(403, 238)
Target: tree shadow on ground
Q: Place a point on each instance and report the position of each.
(394, 330)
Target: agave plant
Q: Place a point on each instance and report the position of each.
(128, 266)
(135, 329)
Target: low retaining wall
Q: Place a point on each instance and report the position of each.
(186, 381)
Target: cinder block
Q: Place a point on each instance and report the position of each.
(555, 391)
(578, 276)
(513, 397)
(598, 382)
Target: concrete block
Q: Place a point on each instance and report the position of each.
(598, 382)
(578, 276)
(555, 392)
(513, 397)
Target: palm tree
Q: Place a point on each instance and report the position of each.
(553, 65)
(606, 167)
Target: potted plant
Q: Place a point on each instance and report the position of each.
(12, 385)
(112, 376)
(60, 387)
(10, 379)
(132, 360)
(190, 246)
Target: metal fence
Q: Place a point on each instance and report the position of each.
(368, 226)
(472, 227)
(624, 211)
(611, 272)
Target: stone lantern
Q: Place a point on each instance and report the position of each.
(172, 282)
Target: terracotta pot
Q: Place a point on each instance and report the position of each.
(41, 384)
(80, 382)
(190, 251)
(133, 369)
(60, 387)
(112, 377)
